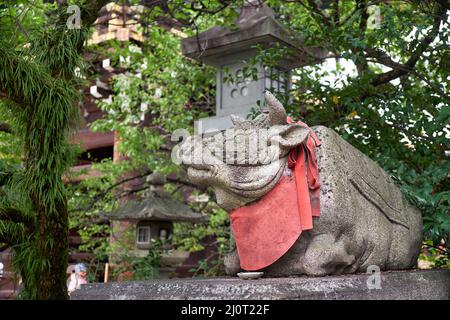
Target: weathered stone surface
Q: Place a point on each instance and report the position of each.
(365, 219)
(255, 25)
(395, 285)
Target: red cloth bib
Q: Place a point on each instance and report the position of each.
(266, 230)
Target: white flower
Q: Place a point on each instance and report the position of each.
(134, 49)
(158, 93)
(125, 61)
(144, 106)
(108, 100)
(144, 65)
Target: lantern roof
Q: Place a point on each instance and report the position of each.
(156, 208)
(120, 22)
(256, 25)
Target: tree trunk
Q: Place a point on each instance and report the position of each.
(47, 281)
(52, 280)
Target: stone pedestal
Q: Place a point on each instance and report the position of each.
(395, 285)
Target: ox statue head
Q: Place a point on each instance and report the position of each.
(243, 163)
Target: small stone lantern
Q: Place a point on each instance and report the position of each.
(153, 218)
(229, 50)
(138, 223)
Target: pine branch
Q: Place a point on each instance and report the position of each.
(88, 11)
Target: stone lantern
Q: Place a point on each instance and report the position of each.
(137, 224)
(230, 50)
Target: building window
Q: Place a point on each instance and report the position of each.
(143, 235)
(96, 155)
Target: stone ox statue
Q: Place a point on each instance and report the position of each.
(364, 218)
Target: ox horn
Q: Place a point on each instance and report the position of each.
(275, 110)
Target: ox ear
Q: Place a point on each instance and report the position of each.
(275, 110)
(236, 119)
(292, 135)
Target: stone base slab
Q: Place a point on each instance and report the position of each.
(395, 285)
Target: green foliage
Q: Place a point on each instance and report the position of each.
(160, 92)
(189, 238)
(435, 256)
(403, 124)
(47, 104)
(40, 91)
(147, 267)
(129, 264)
(143, 268)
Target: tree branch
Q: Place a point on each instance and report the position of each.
(102, 194)
(4, 127)
(180, 182)
(16, 216)
(357, 8)
(315, 9)
(362, 66)
(14, 99)
(336, 13)
(89, 12)
(441, 15)
(12, 234)
(7, 242)
(382, 57)
(388, 62)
